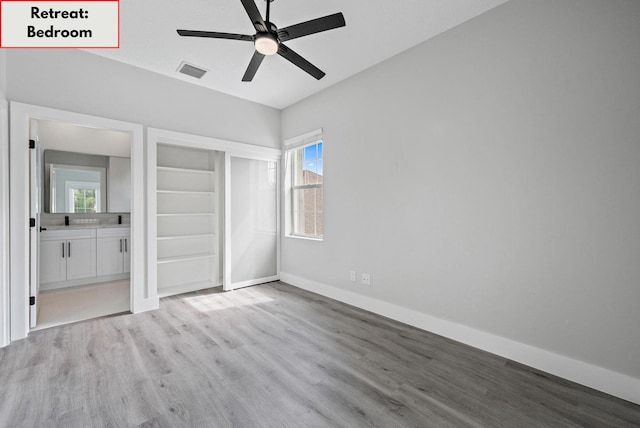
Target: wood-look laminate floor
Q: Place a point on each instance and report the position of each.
(277, 356)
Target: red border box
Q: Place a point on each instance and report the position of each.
(61, 47)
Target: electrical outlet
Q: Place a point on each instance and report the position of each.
(353, 276)
(366, 279)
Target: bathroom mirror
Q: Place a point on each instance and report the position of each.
(86, 184)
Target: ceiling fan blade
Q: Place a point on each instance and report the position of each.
(254, 15)
(215, 35)
(256, 60)
(318, 25)
(297, 60)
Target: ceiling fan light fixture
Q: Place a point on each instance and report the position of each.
(266, 44)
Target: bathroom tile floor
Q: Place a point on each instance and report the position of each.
(68, 305)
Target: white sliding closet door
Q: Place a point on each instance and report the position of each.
(252, 222)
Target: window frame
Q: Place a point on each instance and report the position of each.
(72, 186)
(292, 146)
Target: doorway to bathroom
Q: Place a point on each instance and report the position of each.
(76, 268)
(81, 199)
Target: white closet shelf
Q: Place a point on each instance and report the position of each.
(185, 192)
(187, 198)
(185, 170)
(169, 238)
(185, 214)
(185, 258)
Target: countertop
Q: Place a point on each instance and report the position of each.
(85, 226)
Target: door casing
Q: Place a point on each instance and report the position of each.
(21, 115)
(4, 221)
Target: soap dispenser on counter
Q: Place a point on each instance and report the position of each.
(66, 220)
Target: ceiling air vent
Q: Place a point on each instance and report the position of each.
(191, 70)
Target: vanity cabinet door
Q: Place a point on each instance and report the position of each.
(53, 266)
(126, 265)
(110, 255)
(81, 258)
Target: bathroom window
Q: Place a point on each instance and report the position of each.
(83, 197)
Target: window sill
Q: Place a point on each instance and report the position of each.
(305, 238)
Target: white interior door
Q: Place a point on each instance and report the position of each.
(251, 236)
(34, 213)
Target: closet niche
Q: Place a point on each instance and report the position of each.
(213, 213)
(188, 224)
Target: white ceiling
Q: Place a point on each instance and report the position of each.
(375, 30)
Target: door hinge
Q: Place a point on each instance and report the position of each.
(32, 222)
(32, 300)
(32, 144)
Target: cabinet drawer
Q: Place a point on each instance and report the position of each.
(109, 232)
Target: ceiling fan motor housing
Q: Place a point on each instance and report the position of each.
(267, 42)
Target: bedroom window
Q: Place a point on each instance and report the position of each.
(306, 189)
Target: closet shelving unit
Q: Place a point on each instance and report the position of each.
(187, 219)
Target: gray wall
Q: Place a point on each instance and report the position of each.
(490, 176)
(83, 139)
(78, 81)
(3, 72)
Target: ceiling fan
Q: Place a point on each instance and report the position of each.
(269, 39)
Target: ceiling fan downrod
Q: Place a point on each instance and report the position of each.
(268, 9)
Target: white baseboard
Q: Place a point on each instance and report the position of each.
(610, 382)
(82, 281)
(149, 304)
(253, 282)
